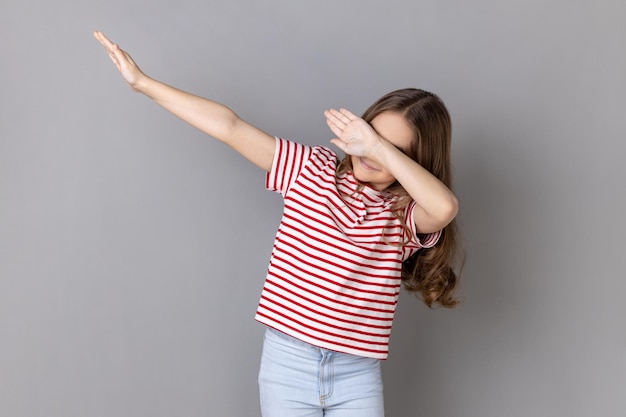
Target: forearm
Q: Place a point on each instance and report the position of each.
(436, 204)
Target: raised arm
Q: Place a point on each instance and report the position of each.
(436, 204)
(209, 116)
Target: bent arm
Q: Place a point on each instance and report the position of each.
(436, 204)
(209, 116)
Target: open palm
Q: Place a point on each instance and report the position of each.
(122, 60)
(354, 135)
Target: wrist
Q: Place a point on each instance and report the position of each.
(143, 84)
(383, 151)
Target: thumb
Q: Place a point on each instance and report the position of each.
(340, 144)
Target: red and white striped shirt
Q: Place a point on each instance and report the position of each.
(334, 278)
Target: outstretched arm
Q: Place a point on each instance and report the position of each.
(211, 117)
(436, 204)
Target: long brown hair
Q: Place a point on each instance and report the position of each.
(429, 273)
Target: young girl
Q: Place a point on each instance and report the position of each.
(352, 230)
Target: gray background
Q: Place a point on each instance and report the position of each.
(133, 248)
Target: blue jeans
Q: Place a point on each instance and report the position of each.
(297, 379)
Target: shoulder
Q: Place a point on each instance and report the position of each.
(293, 159)
(299, 154)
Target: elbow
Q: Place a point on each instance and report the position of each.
(454, 207)
(438, 217)
(229, 129)
(449, 210)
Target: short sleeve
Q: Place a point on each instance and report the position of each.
(426, 241)
(289, 159)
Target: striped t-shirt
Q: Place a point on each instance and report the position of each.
(334, 278)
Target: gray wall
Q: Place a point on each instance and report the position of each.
(133, 248)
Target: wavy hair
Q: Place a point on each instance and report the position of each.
(429, 273)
